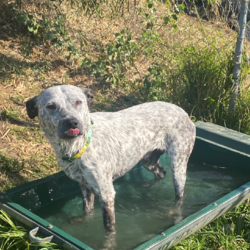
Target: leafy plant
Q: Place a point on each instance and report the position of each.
(13, 237)
(113, 64)
(29, 21)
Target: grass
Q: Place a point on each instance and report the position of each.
(15, 237)
(9, 113)
(153, 53)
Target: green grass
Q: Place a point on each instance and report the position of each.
(10, 113)
(32, 134)
(15, 237)
(19, 170)
(10, 169)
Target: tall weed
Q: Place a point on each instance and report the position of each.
(200, 81)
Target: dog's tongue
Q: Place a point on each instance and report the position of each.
(73, 132)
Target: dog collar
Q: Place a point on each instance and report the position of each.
(79, 154)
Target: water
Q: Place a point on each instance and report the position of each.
(144, 208)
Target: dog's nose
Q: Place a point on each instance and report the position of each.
(74, 123)
(70, 123)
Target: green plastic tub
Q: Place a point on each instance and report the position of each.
(218, 179)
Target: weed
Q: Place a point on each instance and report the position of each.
(241, 119)
(202, 82)
(113, 63)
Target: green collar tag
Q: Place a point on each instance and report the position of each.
(79, 154)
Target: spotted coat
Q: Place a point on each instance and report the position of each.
(119, 141)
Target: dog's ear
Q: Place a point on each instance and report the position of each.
(32, 108)
(89, 95)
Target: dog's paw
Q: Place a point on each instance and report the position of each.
(110, 241)
(160, 172)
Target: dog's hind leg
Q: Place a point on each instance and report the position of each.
(179, 147)
(151, 162)
(179, 175)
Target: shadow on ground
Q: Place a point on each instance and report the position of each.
(10, 64)
(17, 121)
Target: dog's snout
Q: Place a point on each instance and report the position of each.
(69, 128)
(70, 123)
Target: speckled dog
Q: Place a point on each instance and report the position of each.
(94, 149)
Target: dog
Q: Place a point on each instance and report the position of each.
(95, 149)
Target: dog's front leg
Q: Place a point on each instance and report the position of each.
(107, 199)
(88, 198)
(88, 206)
(108, 213)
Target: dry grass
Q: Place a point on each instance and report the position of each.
(21, 138)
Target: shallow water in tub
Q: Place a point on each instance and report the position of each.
(143, 208)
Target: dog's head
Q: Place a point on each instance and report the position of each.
(62, 111)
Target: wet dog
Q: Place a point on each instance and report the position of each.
(94, 149)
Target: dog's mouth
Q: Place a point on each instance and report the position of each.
(72, 133)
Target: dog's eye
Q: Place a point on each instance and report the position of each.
(78, 102)
(51, 106)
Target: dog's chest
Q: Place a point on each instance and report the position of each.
(72, 170)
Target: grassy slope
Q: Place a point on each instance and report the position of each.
(25, 154)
